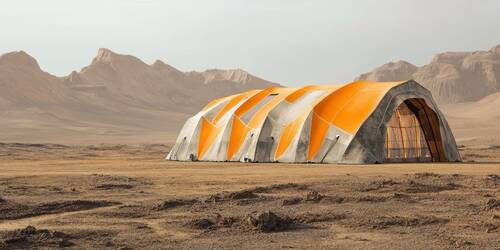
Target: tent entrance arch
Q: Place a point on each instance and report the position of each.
(413, 134)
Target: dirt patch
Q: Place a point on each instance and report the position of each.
(397, 221)
(378, 184)
(18, 211)
(212, 223)
(335, 199)
(423, 185)
(232, 196)
(111, 182)
(110, 186)
(275, 187)
(169, 204)
(201, 224)
(222, 221)
(417, 187)
(492, 204)
(314, 196)
(403, 197)
(490, 228)
(492, 179)
(426, 175)
(268, 222)
(291, 201)
(30, 237)
(354, 198)
(370, 198)
(126, 211)
(244, 194)
(318, 217)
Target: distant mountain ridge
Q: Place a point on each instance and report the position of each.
(120, 78)
(115, 94)
(160, 85)
(452, 77)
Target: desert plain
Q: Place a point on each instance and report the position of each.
(117, 196)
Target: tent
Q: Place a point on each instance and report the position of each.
(360, 122)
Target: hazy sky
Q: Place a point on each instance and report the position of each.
(289, 41)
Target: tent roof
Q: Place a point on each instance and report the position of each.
(344, 106)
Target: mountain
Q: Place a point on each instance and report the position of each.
(24, 84)
(116, 98)
(452, 77)
(127, 79)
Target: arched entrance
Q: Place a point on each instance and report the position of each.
(413, 134)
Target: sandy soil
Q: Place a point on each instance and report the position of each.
(128, 197)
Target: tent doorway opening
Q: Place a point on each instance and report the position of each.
(413, 134)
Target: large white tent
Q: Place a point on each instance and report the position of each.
(360, 122)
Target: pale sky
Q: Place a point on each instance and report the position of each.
(292, 42)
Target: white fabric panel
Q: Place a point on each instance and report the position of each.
(218, 150)
(187, 141)
(284, 114)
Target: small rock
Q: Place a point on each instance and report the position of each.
(244, 194)
(169, 204)
(201, 224)
(291, 201)
(266, 221)
(314, 196)
(224, 221)
(492, 204)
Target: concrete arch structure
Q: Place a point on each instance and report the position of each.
(360, 122)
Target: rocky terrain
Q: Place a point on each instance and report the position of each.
(128, 197)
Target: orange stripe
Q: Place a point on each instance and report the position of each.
(239, 132)
(233, 102)
(288, 134)
(208, 134)
(319, 127)
(302, 91)
(254, 100)
(291, 129)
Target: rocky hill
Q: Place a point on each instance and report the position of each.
(114, 96)
(452, 77)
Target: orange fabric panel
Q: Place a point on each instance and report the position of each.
(260, 115)
(285, 138)
(254, 100)
(319, 128)
(208, 134)
(347, 102)
(302, 91)
(357, 110)
(288, 134)
(233, 102)
(347, 108)
(238, 134)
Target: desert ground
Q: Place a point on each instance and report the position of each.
(128, 197)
